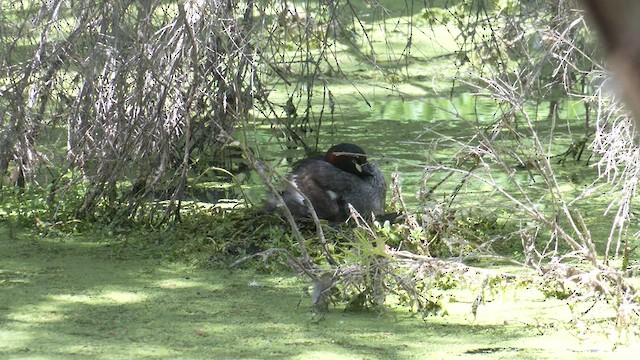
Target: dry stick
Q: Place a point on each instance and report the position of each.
(285, 209)
(551, 183)
(396, 191)
(290, 218)
(189, 99)
(532, 211)
(316, 221)
(378, 277)
(260, 169)
(444, 264)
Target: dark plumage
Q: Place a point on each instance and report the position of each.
(343, 176)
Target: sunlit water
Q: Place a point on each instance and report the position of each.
(414, 135)
(407, 136)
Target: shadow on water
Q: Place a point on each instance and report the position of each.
(53, 305)
(75, 297)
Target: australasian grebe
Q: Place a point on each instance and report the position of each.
(343, 176)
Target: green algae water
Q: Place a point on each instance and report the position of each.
(76, 297)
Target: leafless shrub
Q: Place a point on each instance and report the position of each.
(139, 92)
(141, 89)
(523, 57)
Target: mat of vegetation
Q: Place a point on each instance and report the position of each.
(130, 295)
